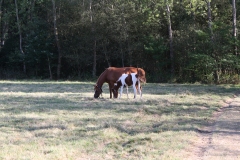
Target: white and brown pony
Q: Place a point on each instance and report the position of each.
(127, 80)
(111, 76)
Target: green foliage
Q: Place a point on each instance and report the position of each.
(127, 33)
(155, 50)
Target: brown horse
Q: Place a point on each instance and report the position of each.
(112, 74)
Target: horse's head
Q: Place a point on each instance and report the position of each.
(141, 75)
(98, 91)
(115, 90)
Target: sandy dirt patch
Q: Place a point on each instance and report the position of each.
(221, 140)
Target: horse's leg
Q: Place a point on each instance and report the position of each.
(110, 85)
(135, 91)
(127, 90)
(139, 89)
(121, 91)
(134, 82)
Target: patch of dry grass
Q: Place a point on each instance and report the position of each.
(62, 120)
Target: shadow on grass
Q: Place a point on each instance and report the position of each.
(89, 114)
(99, 114)
(46, 87)
(165, 89)
(154, 89)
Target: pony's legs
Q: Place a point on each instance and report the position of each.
(121, 91)
(127, 90)
(139, 89)
(135, 90)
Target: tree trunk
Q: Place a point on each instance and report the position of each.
(210, 20)
(4, 31)
(124, 33)
(2, 26)
(20, 37)
(57, 40)
(194, 26)
(94, 42)
(32, 8)
(49, 68)
(170, 39)
(122, 54)
(105, 53)
(216, 71)
(234, 13)
(94, 57)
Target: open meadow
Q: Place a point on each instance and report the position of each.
(61, 120)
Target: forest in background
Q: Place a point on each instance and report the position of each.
(184, 41)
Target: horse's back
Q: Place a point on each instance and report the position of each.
(113, 73)
(122, 69)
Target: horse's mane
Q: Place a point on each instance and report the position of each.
(101, 75)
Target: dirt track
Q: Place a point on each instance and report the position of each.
(221, 140)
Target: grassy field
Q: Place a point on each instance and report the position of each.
(62, 120)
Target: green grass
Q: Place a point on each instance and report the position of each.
(62, 120)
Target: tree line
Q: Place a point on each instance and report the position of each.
(172, 40)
